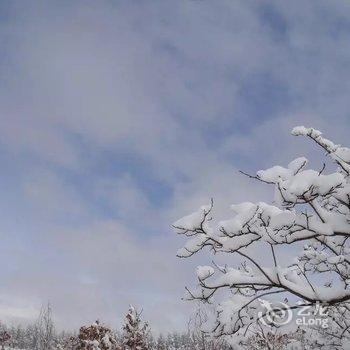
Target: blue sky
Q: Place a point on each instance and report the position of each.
(118, 117)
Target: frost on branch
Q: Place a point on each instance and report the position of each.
(310, 212)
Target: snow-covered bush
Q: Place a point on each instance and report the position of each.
(96, 337)
(135, 332)
(268, 340)
(66, 341)
(310, 215)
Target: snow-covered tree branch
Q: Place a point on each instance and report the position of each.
(311, 211)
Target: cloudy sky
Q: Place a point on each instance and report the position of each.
(118, 117)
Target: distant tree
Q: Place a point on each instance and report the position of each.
(135, 332)
(43, 331)
(310, 207)
(4, 336)
(161, 343)
(199, 339)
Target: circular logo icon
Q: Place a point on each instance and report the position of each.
(277, 314)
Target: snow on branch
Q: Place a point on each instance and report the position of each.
(309, 207)
(341, 155)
